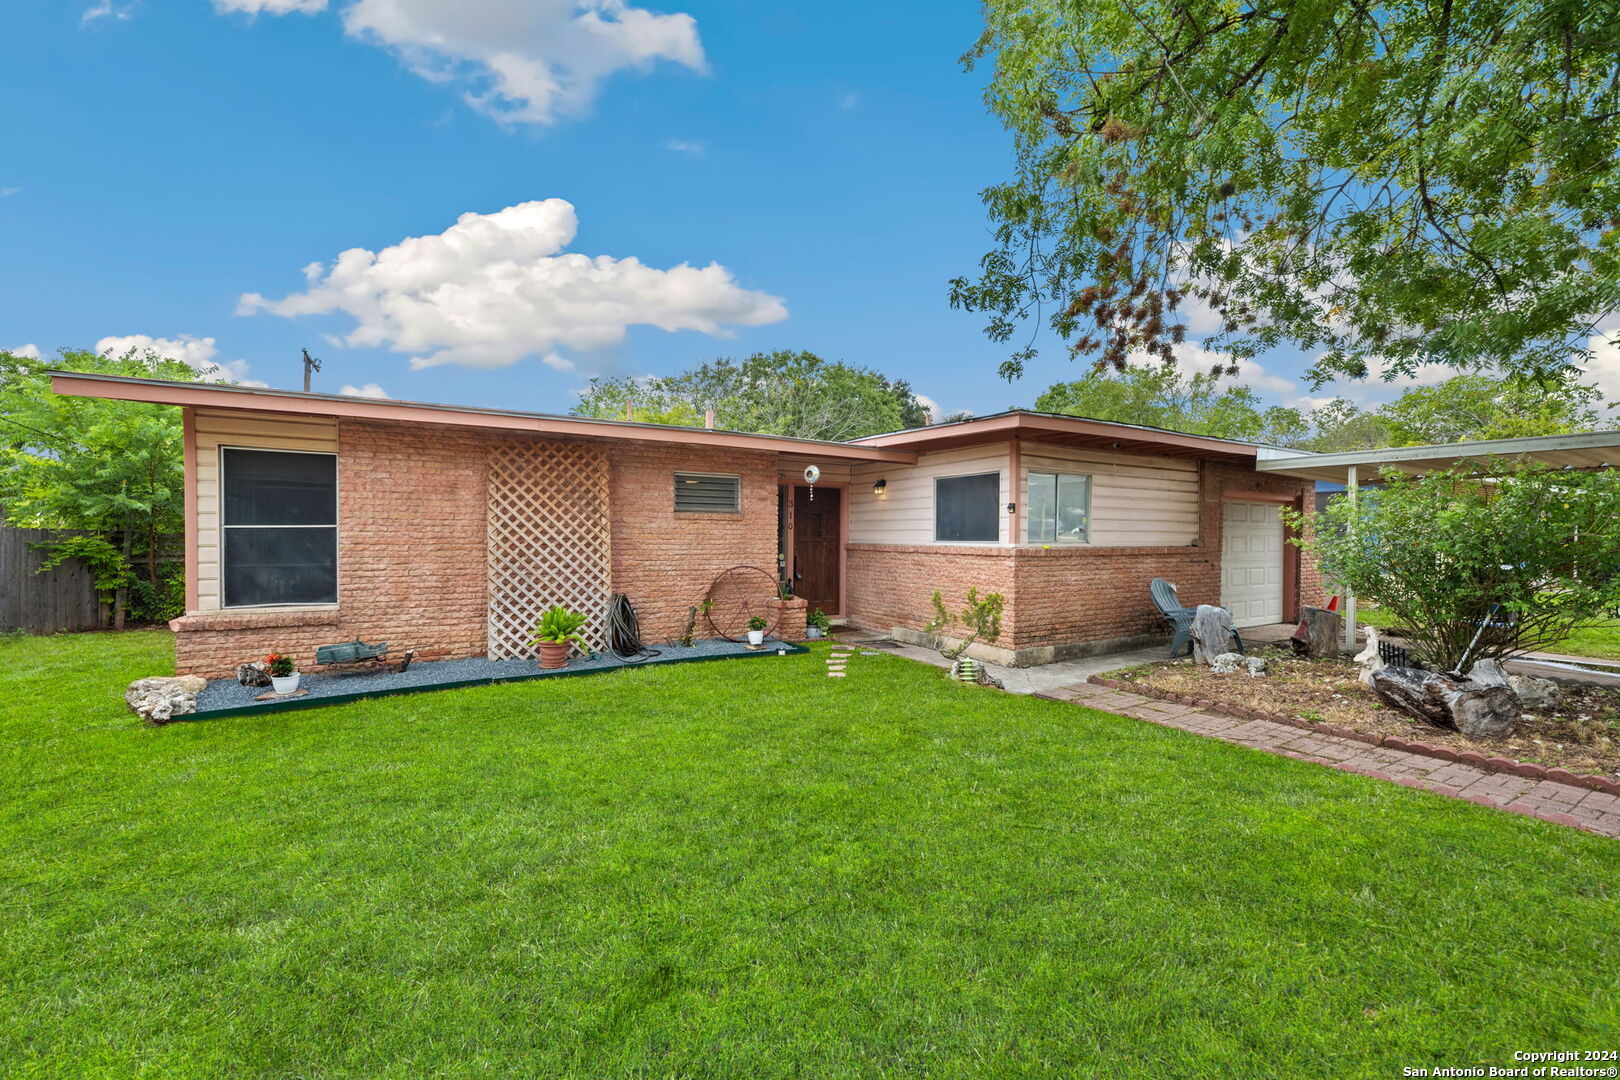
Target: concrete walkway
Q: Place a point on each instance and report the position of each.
(1562, 804)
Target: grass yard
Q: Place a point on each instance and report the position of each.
(746, 869)
(1601, 642)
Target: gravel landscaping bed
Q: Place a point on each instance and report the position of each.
(1581, 734)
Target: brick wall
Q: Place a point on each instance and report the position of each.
(410, 557)
(891, 584)
(664, 561)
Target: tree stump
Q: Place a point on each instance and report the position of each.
(1477, 706)
(1319, 632)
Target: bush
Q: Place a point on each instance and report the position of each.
(1483, 561)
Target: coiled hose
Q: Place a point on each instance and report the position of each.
(624, 632)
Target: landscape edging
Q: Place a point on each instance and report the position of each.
(1527, 769)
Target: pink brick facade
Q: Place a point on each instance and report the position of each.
(411, 556)
(1060, 599)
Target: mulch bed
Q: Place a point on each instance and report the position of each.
(1581, 734)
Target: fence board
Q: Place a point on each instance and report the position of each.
(63, 599)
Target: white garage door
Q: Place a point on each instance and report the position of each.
(1252, 563)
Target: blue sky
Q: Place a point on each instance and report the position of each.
(167, 158)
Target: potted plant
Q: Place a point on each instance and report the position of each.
(283, 671)
(556, 633)
(756, 630)
(817, 625)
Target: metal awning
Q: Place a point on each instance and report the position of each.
(1594, 450)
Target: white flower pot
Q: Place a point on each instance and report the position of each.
(756, 637)
(285, 684)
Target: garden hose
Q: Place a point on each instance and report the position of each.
(624, 632)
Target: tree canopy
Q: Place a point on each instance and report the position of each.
(778, 393)
(1165, 396)
(1389, 184)
(111, 470)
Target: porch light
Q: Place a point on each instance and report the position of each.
(880, 487)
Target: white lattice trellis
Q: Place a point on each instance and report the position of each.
(549, 540)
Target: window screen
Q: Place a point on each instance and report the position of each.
(705, 493)
(968, 508)
(279, 520)
(1059, 508)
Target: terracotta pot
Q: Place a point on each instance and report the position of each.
(554, 654)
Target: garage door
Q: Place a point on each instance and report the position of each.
(1252, 563)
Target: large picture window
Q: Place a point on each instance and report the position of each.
(278, 525)
(968, 508)
(1059, 508)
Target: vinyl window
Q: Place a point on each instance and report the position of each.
(278, 527)
(1058, 508)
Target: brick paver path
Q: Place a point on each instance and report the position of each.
(1597, 811)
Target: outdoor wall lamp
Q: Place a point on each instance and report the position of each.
(880, 487)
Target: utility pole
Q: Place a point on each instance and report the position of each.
(310, 365)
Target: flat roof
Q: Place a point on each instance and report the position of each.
(261, 400)
(1592, 450)
(1065, 430)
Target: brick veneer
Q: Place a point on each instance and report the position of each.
(1060, 598)
(411, 558)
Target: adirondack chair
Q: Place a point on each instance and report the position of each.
(1179, 617)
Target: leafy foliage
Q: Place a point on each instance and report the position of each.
(1165, 396)
(112, 469)
(980, 619)
(1480, 407)
(777, 393)
(1391, 184)
(1484, 564)
(559, 626)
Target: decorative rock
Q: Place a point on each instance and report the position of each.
(254, 674)
(1211, 633)
(1256, 665)
(159, 699)
(1227, 663)
(1473, 706)
(1534, 693)
(1369, 658)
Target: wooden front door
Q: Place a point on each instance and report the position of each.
(818, 544)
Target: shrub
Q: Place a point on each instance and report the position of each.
(1482, 562)
(559, 626)
(980, 618)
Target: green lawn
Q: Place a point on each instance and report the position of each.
(745, 869)
(1601, 642)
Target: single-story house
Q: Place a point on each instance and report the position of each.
(318, 518)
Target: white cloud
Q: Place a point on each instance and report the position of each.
(685, 146)
(197, 353)
(1193, 357)
(519, 61)
(30, 352)
(370, 390)
(8, 192)
(106, 9)
(1604, 367)
(494, 288)
(849, 101)
(271, 7)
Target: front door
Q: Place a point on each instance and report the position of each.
(817, 546)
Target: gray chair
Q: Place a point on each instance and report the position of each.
(1179, 617)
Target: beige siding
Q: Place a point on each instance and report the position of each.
(268, 431)
(904, 514)
(1137, 500)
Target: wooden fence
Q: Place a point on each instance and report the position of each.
(63, 599)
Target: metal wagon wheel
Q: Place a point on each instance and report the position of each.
(738, 595)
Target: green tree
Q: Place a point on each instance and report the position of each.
(1391, 184)
(1341, 426)
(1482, 407)
(1484, 564)
(1164, 396)
(777, 393)
(113, 469)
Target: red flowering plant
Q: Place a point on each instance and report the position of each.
(280, 665)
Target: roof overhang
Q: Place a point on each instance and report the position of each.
(1593, 450)
(1064, 431)
(257, 400)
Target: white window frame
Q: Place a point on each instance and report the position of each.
(1030, 474)
(996, 539)
(679, 473)
(336, 526)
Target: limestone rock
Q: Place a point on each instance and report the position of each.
(1369, 658)
(160, 699)
(254, 674)
(1227, 663)
(1211, 633)
(1478, 707)
(1534, 693)
(1256, 666)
